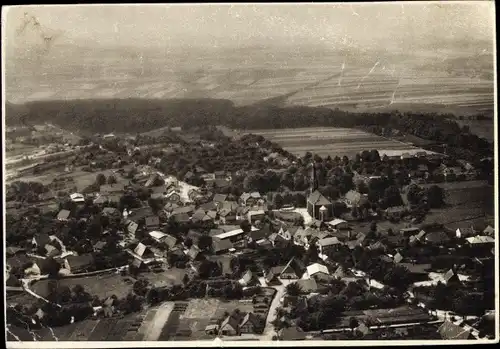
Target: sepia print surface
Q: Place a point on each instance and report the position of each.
(223, 174)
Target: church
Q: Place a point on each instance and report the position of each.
(318, 206)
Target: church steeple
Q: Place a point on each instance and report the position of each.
(314, 180)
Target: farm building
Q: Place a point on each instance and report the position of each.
(327, 244)
(229, 327)
(63, 215)
(338, 224)
(450, 330)
(254, 216)
(79, 264)
(317, 270)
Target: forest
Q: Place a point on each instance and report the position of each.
(142, 115)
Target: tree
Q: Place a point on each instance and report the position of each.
(373, 227)
(293, 289)
(246, 226)
(100, 179)
(353, 323)
(111, 179)
(185, 279)
(205, 242)
(435, 196)
(188, 242)
(414, 194)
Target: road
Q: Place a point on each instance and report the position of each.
(159, 320)
(269, 332)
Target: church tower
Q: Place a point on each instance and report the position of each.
(314, 179)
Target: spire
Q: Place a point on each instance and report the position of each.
(314, 180)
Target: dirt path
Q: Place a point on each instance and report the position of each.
(157, 323)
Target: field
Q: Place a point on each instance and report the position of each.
(113, 329)
(82, 179)
(359, 81)
(331, 141)
(195, 315)
(468, 203)
(103, 286)
(168, 277)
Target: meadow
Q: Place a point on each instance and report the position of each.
(331, 141)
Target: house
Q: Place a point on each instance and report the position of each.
(319, 207)
(451, 331)
(227, 216)
(152, 180)
(340, 273)
(212, 329)
(219, 198)
(229, 327)
(131, 227)
(221, 245)
(437, 238)
(143, 251)
(291, 334)
(254, 216)
(277, 240)
(246, 279)
(250, 199)
(271, 277)
(77, 197)
(328, 243)
(257, 235)
(417, 238)
(409, 231)
(307, 286)
(108, 307)
(194, 236)
(79, 264)
(193, 253)
(173, 196)
(489, 231)
(395, 212)
(418, 272)
(398, 258)
(338, 224)
(110, 211)
(13, 250)
(294, 269)
(99, 246)
(285, 233)
(301, 237)
(209, 206)
(13, 281)
(250, 324)
(451, 277)
(378, 246)
(465, 232)
(198, 215)
(63, 215)
(362, 329)
(188, 210)
(318, 270)
(152, 222)
(352, 198)
(51, 251)
(181, 217)
(41, 239)
(108, 189)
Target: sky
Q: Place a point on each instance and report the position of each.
(239, 25)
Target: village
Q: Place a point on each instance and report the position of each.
(196, 236)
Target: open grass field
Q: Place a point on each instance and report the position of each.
(102, 286)
(331, 141)
(82, 179)
(168, 277)
(468, 203)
